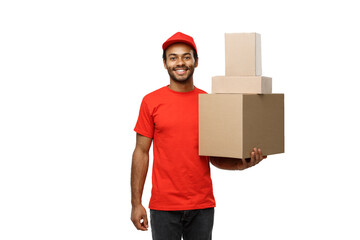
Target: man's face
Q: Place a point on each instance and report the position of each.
(180, 62)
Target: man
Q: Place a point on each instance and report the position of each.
(182, 202)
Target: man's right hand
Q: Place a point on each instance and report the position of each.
(139, 168)
(139, 217)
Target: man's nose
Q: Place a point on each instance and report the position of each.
(180, 62)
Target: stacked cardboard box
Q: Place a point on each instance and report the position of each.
(241, 113)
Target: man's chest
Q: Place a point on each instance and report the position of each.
(176, 116)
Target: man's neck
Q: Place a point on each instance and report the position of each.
(181, 87)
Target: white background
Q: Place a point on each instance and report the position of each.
(73, 74)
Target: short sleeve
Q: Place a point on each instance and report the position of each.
(145, 122)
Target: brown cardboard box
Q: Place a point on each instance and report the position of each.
(243, 54)
(231, 125)
(242, 84)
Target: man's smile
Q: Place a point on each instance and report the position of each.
(181, 71)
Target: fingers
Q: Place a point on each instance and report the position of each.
(139, 218)
(259, 156)
(138, 226)
(145, 223)
(141, 224)
(256, 157)
(253, 158)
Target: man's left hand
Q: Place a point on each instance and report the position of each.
(256, 157)
(238, 163)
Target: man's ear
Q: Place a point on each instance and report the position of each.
(196, 62)
(164, 64)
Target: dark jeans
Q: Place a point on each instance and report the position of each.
(190, 224)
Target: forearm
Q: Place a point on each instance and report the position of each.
(237, 163)
(139, 168)
(227, 163)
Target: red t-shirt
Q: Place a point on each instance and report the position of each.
(180, 177)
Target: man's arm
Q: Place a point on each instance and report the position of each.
(237, 163)
(139, 168)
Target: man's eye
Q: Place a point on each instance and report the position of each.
(172, 58)
(187, 58)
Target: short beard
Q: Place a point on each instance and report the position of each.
(173, 77)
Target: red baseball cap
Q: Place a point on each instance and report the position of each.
(179, 38)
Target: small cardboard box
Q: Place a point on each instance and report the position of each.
(243, 54)
(242, 84)
(231, 125)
